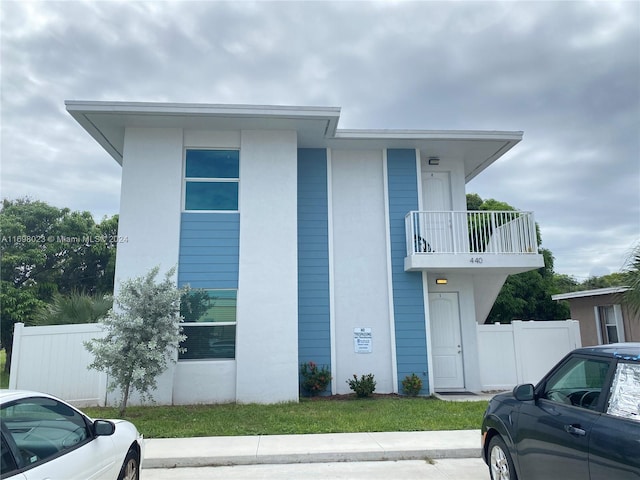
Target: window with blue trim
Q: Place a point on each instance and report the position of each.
(209, 325)
(211, 180)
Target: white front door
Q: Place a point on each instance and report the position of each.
(436, 227)
(446, 342)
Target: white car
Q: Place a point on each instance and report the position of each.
(46, 438)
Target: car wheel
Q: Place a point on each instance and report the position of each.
(131, 466)
(500, 462)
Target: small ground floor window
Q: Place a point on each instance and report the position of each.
(610, 328)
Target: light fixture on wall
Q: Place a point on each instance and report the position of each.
(441, 281)
(434, 161)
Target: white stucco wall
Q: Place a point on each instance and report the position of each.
(150, 201)
(149, 222)
(267, 314)
(360, 277)
(206, 381)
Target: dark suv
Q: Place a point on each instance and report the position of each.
(581, 422)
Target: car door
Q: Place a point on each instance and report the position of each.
(614, 443)
(8, 464)
(553, 431)
(91, 461)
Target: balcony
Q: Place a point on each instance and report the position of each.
(471, 240)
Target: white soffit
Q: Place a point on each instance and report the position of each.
(316, 127)
(106, 121)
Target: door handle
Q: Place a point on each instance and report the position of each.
(575, 430)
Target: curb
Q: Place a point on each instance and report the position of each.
(318, 448)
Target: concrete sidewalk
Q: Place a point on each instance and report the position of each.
(313, 448)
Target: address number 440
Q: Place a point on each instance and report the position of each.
(476, 260)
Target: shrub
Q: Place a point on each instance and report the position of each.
(314, 379)
(142, 335)
(364, 386)
(412, 384)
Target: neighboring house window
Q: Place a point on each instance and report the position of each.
(210, 325)
(211, 180)
(609, 322)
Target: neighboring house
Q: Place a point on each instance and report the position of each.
(350, 248)
(602, 316)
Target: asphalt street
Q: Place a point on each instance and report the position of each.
(442, 469)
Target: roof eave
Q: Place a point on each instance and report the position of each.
(589, 293)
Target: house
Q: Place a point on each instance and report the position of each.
(349, 248)
(603, 317)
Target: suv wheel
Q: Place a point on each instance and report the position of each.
(500, 462)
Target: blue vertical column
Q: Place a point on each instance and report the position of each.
(314, 332)
(408, 296)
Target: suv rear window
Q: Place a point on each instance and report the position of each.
(625, 392)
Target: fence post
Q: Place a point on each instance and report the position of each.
(574, 328)
(517, 346)
(18, 330)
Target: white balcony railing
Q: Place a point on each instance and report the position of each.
(499, 232)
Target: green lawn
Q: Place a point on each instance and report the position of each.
(386, 413)
(347, 414)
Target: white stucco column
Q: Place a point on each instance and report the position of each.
(149, 221)
(267, 312)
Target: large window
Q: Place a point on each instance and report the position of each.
(210, 325)
(211, 180)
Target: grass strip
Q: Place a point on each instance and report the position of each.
(381, 414)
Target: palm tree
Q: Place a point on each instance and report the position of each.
(77, 307)
(631, 297)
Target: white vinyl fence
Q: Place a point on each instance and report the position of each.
(523, 352)
(53, 360)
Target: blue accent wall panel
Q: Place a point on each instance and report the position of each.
(314, 340)
(209, 250)
(408, 296)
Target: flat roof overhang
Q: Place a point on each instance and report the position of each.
(316, 127)
(590, 293)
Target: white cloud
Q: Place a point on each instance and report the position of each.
(567, 73)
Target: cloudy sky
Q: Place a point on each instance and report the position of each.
(566, 73)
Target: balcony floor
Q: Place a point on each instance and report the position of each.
(473, 262)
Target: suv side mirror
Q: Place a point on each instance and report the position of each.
(103, 428)
(524, 392)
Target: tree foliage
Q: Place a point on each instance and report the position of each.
(143, 333)
(55, 249)
(631, 275)
(46, 252)
(18, 305)
(525, 296)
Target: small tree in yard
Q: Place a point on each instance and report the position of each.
(143, 333)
